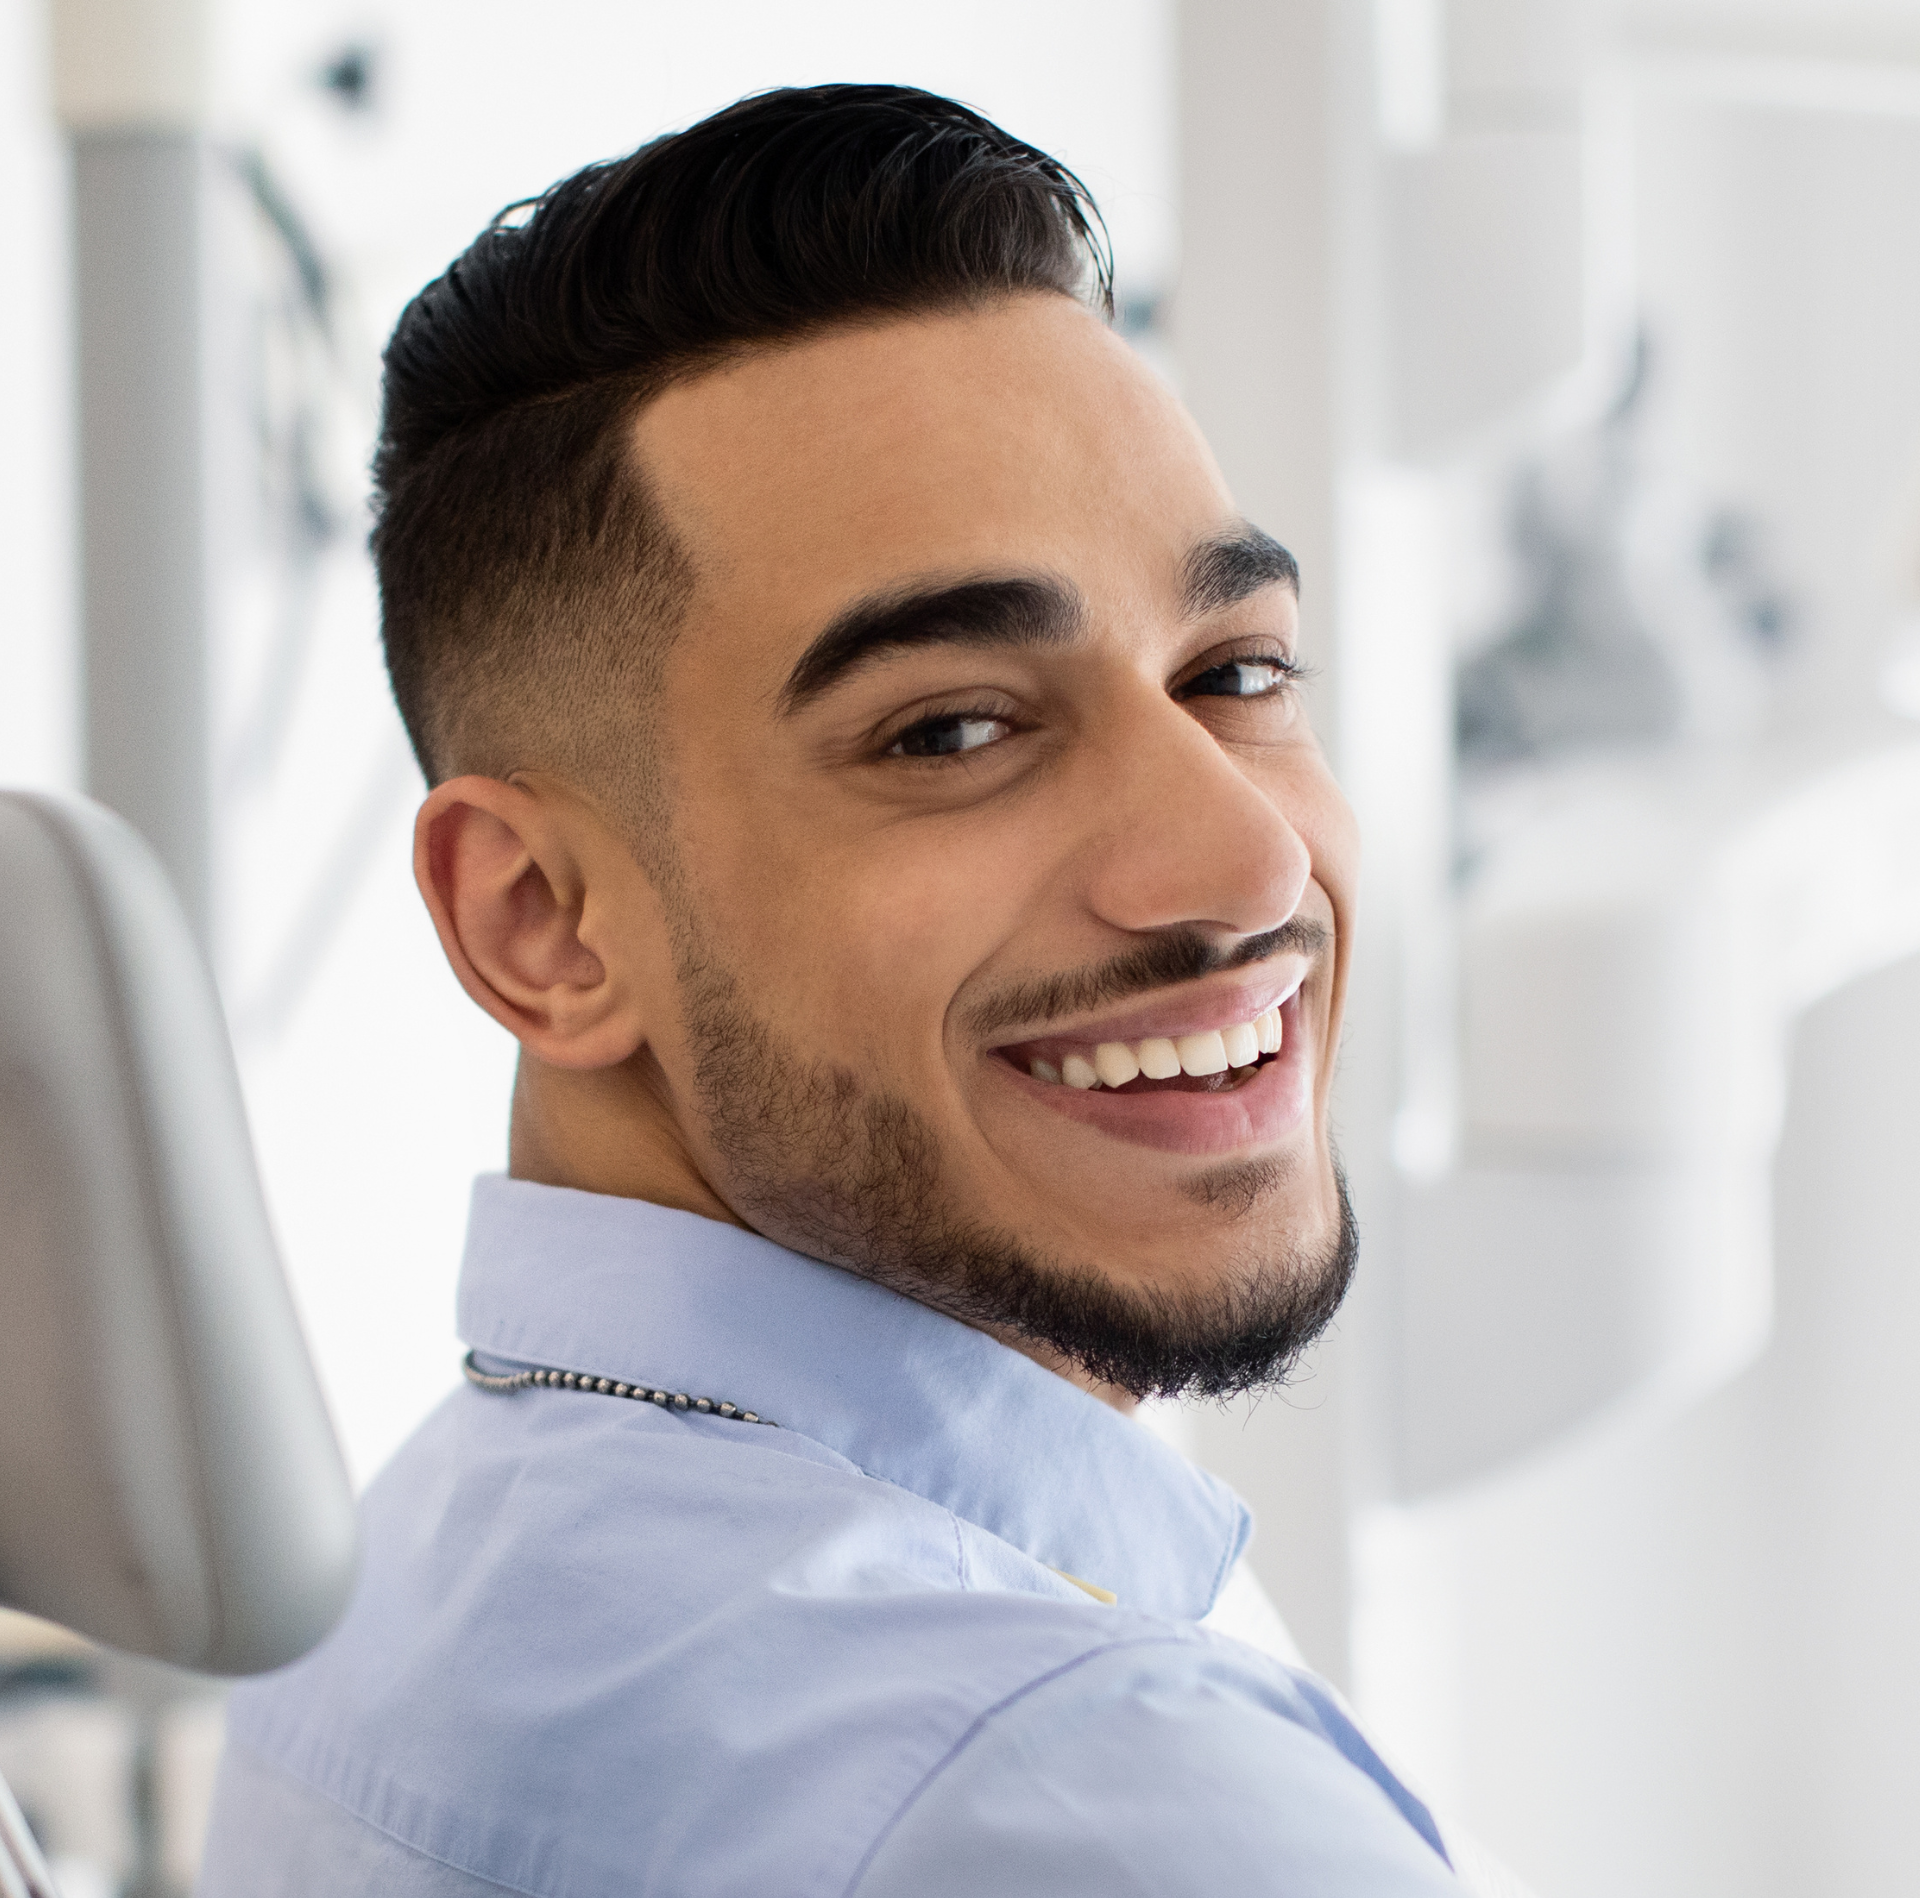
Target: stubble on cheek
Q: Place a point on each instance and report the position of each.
(813, 1157)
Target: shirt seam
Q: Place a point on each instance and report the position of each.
(307, 1784)
(978, 1725)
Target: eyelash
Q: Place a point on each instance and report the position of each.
(933, 721)
(1290, 674)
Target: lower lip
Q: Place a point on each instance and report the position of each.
(1260, 1111)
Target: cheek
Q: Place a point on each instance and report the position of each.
(1303, 790)
(857, 947)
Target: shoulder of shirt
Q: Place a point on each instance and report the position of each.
(568, 1672)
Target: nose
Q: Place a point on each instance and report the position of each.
(1185, 836)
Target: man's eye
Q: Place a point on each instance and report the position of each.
(1239, 679)
(943, 737)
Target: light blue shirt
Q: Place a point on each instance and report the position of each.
(601, 1647)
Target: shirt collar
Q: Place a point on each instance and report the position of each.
(646, 1294)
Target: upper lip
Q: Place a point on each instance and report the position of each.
(1246, 994)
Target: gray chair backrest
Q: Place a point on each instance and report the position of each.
(169, 1482)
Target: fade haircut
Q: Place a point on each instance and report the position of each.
(529, 588)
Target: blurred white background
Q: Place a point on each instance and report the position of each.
(1572, 347)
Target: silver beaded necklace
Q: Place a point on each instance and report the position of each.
(540, 1377)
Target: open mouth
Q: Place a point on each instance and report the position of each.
(1193, 1088)
(1215, 1061)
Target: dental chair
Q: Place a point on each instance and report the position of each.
(169, 1483)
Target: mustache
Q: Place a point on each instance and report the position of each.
(1176, 956)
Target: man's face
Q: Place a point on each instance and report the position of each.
(987, 773)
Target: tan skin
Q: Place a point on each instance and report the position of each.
(866, 900)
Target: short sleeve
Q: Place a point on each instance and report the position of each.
(1144, 1771)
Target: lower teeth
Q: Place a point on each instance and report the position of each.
(1208, 1083)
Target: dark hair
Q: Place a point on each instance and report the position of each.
(528, 587)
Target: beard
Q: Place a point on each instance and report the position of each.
(821, 1162)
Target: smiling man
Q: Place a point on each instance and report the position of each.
(870, 780)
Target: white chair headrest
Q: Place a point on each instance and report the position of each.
(169, 1482)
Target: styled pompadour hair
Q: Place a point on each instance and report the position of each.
(529, 588)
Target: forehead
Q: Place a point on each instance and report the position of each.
(1019, 436)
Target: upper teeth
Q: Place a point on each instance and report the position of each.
(1115, 1063)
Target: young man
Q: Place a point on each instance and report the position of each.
(869, 778)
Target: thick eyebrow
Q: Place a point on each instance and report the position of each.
(1019, 610)
(1233, 567)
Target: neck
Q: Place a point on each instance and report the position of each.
(607, 1130)
(613, 1130)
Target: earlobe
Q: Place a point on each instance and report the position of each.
(501, 871)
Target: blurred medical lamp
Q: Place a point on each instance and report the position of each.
(169, 1482)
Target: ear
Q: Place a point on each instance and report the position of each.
(502, 866)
